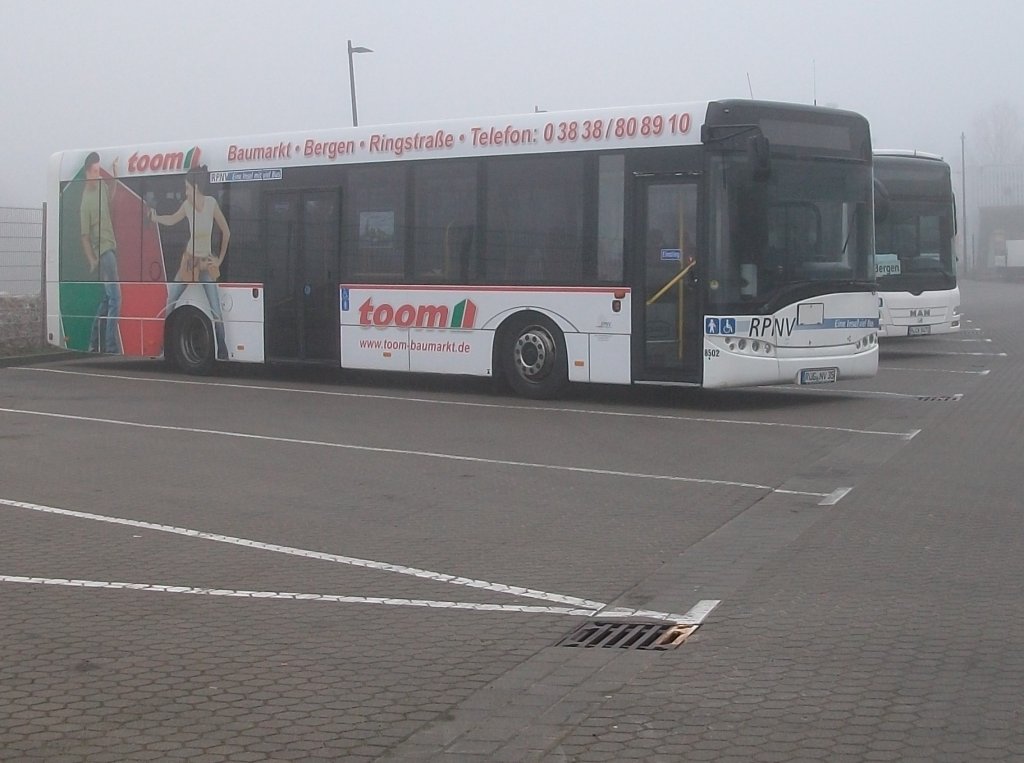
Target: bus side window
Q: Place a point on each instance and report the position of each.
(458, 243)
(375, 223)
(445, 209)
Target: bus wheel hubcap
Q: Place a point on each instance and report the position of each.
(534, 350)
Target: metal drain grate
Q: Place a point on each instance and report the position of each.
(940, 398)
(620, 635)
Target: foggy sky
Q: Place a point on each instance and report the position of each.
(108, 72)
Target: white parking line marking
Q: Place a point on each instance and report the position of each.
(934, 352)
(935, 370)
(576, 606)
(462, 403)
(835, 496)
(418, 453)
(438, 577)
(880, 393)
(703, 609)
(695, 616)
(330, 598)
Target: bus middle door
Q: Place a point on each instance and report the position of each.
(670, 309)
(302, 318)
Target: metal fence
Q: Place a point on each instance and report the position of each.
(21, 250)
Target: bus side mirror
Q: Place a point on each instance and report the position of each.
(760, 156)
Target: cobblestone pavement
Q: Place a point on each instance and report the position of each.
(340, 571)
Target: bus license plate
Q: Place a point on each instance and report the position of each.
(919, 330)
(818, 375)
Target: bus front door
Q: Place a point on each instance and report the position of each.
(670, 323)
(302, 318)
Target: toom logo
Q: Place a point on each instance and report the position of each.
(461, 316)
(171, 161)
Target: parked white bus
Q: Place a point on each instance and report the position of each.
(915, 222)
(717, 244)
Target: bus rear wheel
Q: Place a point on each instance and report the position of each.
(191, 346)
(533, 358)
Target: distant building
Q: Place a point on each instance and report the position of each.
(998, 195)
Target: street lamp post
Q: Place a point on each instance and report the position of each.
(352, 77)
(968, 267)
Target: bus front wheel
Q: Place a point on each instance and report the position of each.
(190, 344)
(534, 358)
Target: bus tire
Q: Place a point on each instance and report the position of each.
(533, 357)
(190, 344)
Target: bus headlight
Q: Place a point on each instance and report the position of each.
(752, 347)
(865, 342)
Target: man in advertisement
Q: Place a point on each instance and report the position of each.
(100, 249)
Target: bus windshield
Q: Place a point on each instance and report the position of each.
(913, 247)
(805, 230)
(914, 237)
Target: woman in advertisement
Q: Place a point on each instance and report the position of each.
(198, 263)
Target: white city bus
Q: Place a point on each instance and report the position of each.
(915, 222)
(716, 244)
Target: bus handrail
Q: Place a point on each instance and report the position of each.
(671, 282)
